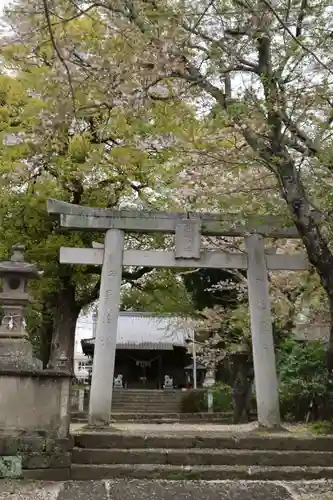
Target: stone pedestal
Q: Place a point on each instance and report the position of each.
(33, 400)
(34, 424)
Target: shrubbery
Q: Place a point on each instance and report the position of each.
(193, 402)
(222, 397)
(305, 385)
(304, 378)
(196, 401)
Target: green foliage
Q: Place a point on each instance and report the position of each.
(222, 397)
(196, 401)
(193, 402)
(93, 155)
(303, 377)
(161, 291)
(324, 427)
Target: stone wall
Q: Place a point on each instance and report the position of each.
(35, 456)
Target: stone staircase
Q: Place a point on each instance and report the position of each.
(210, 456)
(136, 401)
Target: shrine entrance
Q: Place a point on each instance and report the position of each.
(188, 228)
(144, 374)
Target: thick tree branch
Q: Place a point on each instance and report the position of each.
(299, 134)
(135, 275)
(300, 19)
(193, 75)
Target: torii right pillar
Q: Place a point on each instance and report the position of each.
(262, 334)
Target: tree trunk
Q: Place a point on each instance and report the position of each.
(242, 388)
(329, 351)
(45, 335)
(318, 251)
(64, 323)
(304, 217)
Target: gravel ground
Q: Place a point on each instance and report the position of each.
(166, 490)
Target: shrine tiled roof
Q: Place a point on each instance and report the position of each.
(146, 331)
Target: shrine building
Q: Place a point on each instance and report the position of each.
(149, 348)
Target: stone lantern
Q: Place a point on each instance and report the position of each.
(34, 402)
(15, 347)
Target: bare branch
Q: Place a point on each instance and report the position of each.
(295, 38)
(59, 54)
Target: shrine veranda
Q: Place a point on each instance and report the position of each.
(188, 229)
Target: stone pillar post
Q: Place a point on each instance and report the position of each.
(106, 331)
(262, 334)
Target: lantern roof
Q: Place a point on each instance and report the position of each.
(17, 265)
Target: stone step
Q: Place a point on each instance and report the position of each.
(145, 400)
(163, 417)
(198, 417)
(210, 440)
(141, 401)
(118, 394)
(83, 418)
(172, 417)
(148, 399)
(143, 409)
(211, 472)
(193, 457)
(159, 404)
(150, 406)
(132, 397)
(147, 395)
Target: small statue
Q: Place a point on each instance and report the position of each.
(118, 382)
(168, 382)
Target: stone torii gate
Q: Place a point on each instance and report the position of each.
(188, 229)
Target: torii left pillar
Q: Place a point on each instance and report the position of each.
(106, 330)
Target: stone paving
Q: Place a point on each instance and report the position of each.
(166, 490)
(183, 428)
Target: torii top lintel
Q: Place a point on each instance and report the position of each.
(77, 217)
